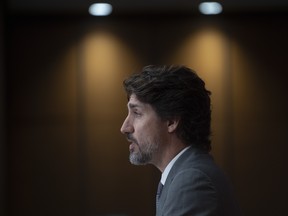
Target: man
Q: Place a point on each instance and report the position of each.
(168, 125)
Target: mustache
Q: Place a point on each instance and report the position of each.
(130, 138)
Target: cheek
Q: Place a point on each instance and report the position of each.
(148, 136)
(143, 135)
(149, 131)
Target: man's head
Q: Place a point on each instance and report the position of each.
(174, 93)
(145, 130)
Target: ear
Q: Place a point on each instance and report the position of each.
(172, 125)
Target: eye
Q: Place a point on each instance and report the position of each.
(136, 113)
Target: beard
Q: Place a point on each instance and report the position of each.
(144, 154)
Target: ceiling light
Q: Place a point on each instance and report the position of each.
(100, 9)
(210, 8)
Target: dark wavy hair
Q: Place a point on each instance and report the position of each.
(176, 92)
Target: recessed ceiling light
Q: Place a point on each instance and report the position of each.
(210, 8)
(100, 9)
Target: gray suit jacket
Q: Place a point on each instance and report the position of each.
(195, 186)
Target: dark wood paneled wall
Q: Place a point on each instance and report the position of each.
(65, 105)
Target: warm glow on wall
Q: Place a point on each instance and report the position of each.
(206, 51)
(105, 59)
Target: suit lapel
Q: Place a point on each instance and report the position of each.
(171, 176)
(188, 154)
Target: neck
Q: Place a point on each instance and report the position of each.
(167, 153)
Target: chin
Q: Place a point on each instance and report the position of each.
(137, 159)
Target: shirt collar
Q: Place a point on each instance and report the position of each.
(170, 165)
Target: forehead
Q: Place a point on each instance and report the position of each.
(134, 102)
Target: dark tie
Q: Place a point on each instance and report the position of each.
(159, 190)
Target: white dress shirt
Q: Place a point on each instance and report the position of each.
(170, 165)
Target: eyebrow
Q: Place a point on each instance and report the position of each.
(133, 105)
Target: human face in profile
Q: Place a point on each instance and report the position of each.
(145, 131)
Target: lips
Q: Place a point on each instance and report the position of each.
(131, 148)
(131, 139)
(132, 145)
(132, 142)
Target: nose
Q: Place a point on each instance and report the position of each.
(126, 127)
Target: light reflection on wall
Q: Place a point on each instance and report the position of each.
(105, 60)
(207, 52)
